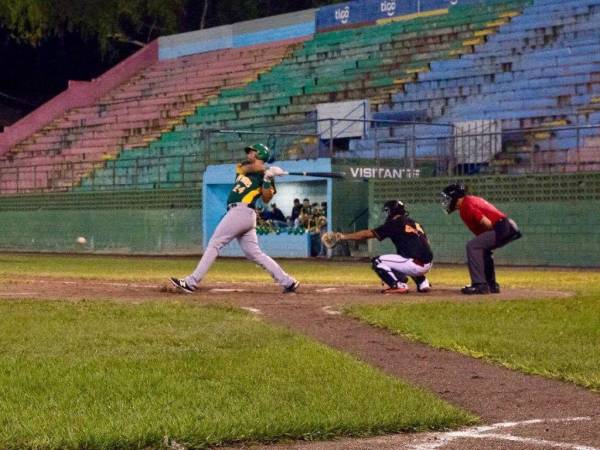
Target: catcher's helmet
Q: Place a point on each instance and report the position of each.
(262, 151)
(393, 208)
(450, 195)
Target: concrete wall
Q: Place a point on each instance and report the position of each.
(242, 34)
(126, 231)
(558, 215)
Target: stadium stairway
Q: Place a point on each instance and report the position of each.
(369, 62)
(130, 116)
(541, 72)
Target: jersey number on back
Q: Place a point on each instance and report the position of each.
(410, 230)
(242, 183)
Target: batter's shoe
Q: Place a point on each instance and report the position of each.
(291, 288)
(399, 289)
(476, 289)
(181, 284)
(494, 288)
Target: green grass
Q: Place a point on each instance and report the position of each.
(241, 270)
(153, 269)
(111, 375)
(554, 338)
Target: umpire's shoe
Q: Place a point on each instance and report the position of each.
(181, 284)
(476, 289)
(291, 288)
(494, 288)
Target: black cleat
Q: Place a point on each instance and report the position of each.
(494, 288)
(291, 288)
(180, 284)
(476, 289)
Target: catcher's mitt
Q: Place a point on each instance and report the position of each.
(331, 239)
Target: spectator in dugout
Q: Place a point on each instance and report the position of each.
(276, 213)
(296, 209)
(305, 213)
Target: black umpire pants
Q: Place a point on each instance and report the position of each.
(480, 258)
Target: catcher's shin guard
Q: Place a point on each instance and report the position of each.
(402, 278)
(386, 274)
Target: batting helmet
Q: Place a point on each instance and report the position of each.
(450, 195)
(393, 208)
(262, 151)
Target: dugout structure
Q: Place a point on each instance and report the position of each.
(219, 179)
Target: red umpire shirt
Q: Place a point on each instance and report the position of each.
(473, 209)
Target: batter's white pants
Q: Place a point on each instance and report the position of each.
(239, 223)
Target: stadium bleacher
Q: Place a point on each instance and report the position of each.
(523, 63)
(130, 116)
(539, 72)
(371, 61)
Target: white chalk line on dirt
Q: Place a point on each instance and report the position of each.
(252, 310)
(16, 294)
(486, 432)
(106, 283)
(330, 311)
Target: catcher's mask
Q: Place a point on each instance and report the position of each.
(262, 151)
(450, 195)
(393, 208)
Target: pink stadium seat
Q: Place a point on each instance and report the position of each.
(149, 103)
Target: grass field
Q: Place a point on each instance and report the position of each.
(557, 338)
(105, 374)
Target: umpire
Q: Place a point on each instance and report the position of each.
(492, 230)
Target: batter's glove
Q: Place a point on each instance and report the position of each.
(275, 171)
(331, 239)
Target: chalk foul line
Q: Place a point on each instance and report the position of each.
(491, 432)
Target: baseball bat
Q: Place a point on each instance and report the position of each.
(338, 175)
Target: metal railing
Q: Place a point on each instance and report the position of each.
(420, 148)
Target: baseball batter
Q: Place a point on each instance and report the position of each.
(253, 181)
(492, 230)
(413, 256)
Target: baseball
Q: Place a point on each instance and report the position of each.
(81, 240)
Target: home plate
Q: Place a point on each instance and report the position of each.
(227, 290)
(326, 290)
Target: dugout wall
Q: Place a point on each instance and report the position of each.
(129, 222)
(558, 214)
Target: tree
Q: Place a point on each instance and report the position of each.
(34, 21)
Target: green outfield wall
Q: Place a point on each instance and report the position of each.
(559, 216)
(137, 222)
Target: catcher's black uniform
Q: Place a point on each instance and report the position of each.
(413, 258)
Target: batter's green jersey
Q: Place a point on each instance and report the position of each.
(247, 188)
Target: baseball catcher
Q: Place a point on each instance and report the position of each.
(253, 181)
(413, 258)
(492, 230)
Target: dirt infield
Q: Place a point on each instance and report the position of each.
(519, 411)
